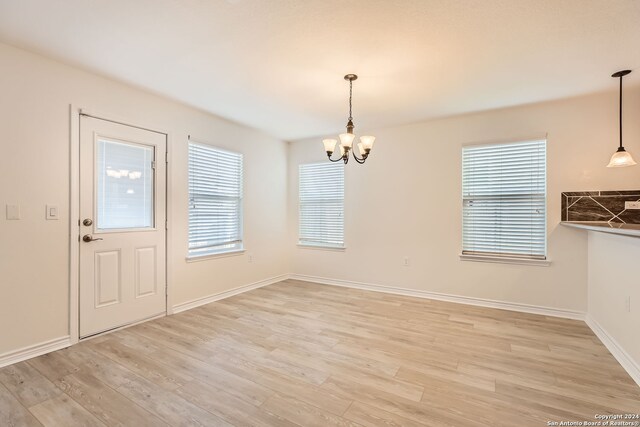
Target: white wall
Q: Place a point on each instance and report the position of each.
(406, 201)
(613, 277)
(35, 94)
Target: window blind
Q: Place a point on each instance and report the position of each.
(504, 199)
(215, 200)
(321, 204)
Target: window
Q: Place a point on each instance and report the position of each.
(215, 200)
(321, 198)
(504, 200)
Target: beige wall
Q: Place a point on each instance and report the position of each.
(406, 201)
(613, 277)
(35, 94)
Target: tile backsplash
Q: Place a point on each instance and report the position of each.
(600, 206)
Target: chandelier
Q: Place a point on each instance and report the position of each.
(346, 139)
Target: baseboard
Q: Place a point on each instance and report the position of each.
(481, 302)
(35, 350)
(226, 294)
(631, 366)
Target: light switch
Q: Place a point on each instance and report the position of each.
(13, 211)
(52, 212)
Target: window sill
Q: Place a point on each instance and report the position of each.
(197, 258)
(323, 248)
(505, 260)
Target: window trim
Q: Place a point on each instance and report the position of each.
(223, 253)
(205, 257)
(508, 258)
(505, 260)
(322, 248)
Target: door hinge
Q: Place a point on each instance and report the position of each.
(153, 165)
(166, 224)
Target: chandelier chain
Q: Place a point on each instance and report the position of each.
(350, 97)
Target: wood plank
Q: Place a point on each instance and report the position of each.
(489, 408)
(425, 375)
(303, 413)
(233, 384)
(63, 411)
(106, 404)
(288, 386)
(229, 407)
(416, 411)
(101, 367)
(148, 395)
(166, 377)
(13, 413)
(55, 365)
(373, 417)
(561, 405)
(169, 406)
(28, 385)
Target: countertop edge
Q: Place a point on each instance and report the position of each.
(602, 229)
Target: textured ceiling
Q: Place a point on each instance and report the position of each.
(278, 65)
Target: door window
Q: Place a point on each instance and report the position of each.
(125, 185)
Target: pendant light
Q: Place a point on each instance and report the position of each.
(346, 139)
(621, 158)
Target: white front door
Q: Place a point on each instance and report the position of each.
(122, 225)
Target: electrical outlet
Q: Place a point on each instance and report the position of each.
(405, 261)
(250, 257)
(632, 205)
(627, 304)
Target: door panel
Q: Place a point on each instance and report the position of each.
(123, 213)
(146, 269)
(107, 281)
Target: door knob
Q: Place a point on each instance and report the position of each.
(89, 238)
(87, 222)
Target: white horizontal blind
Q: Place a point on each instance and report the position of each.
(215, 200)
(321, 204)
(504, 199)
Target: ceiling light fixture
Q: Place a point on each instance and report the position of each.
(621, 158)
(346, 139)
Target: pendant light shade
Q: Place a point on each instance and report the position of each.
(622, 157)
(329, 145)
(367, 141)
(346, 139)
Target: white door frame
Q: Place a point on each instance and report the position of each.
(74, 212)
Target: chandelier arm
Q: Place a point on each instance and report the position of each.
(361, 161)
(336, 160)
(358, 159)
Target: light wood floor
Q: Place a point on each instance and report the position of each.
(296, 353)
